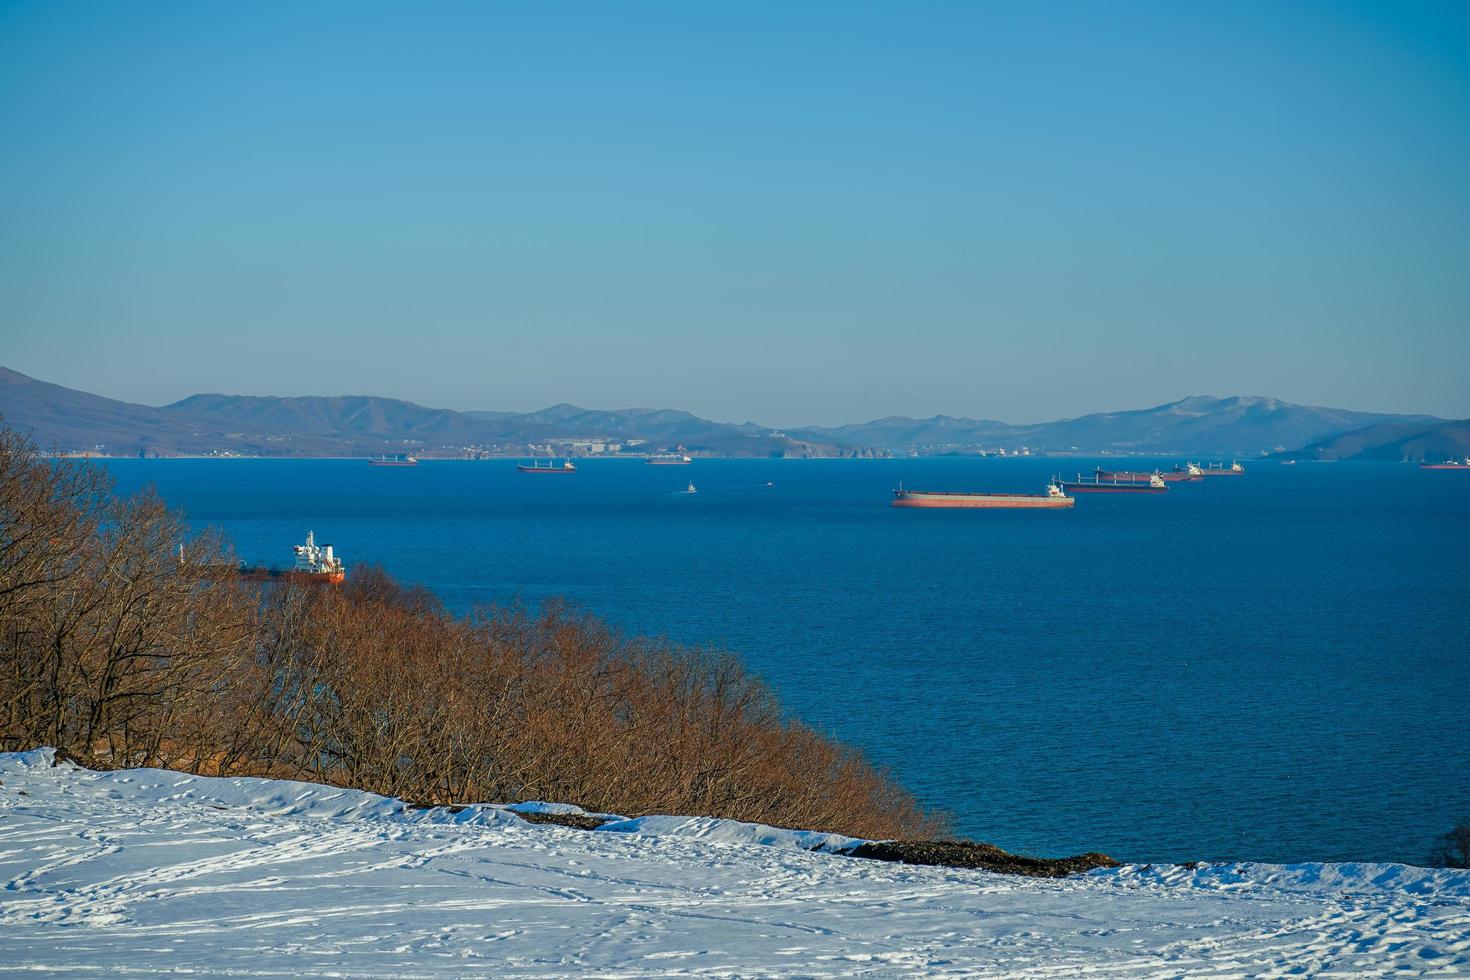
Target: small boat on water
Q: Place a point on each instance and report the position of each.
(667, 461)
(1153, 484)
(550, 467)
(1053, 498)
(691, 488)
(393, 461)
(314, 564)
(1448, 464)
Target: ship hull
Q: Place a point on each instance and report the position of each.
(379, 462)
(1112, 488)
(981, 501)
(307, 578)
(316, 578)
(666, 462)
(542, 469)
(1444, 466)
(1126, 476)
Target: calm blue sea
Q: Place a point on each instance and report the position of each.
(1271, 667)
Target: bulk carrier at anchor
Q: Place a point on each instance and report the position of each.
(1187, 472)
(1139, 476)
(1054, 498)
(1154, 483)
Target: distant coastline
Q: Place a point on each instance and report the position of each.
(626, 457)
(84, 425)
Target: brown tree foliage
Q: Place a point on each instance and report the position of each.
(118, 646)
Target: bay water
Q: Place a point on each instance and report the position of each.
(1270, 667)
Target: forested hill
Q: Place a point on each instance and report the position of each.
(1418, 442)
(354, 425)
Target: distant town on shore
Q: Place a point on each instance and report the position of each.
(71, 422)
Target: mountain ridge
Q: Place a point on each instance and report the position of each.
(1241, 424)
(69, 420)
(213, 423)
(1418, 442)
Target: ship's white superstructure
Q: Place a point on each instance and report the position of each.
(312, 559)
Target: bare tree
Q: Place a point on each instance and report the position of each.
(128, 639)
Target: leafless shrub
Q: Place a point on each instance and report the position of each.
(1452, 848)
(116, 645)
(111, 634)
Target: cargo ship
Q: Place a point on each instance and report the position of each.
(1053, 498)
(1448, 464)
(393, 461)
(1220, 469)
(667, 461)
(1154, 483)
(1175, 475)
(1188, 472)
(535, 467)
(314, 564)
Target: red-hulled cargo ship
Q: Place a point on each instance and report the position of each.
(1153, 484)
(314, 564)
(535, 467)
(1053, 498)
(1448, 464)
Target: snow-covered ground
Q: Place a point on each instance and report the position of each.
(148, 871)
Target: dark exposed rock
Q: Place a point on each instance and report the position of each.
(578, 821)
(581, 821)
(986, 857)
(447, 807)
(83, 761)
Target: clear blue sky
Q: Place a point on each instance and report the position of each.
(792, 212)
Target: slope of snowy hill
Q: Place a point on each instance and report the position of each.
(149, 871)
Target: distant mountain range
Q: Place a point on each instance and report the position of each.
(355, 425)
(1392, 441)
(1237, 425)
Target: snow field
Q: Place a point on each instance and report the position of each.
(149, 871)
